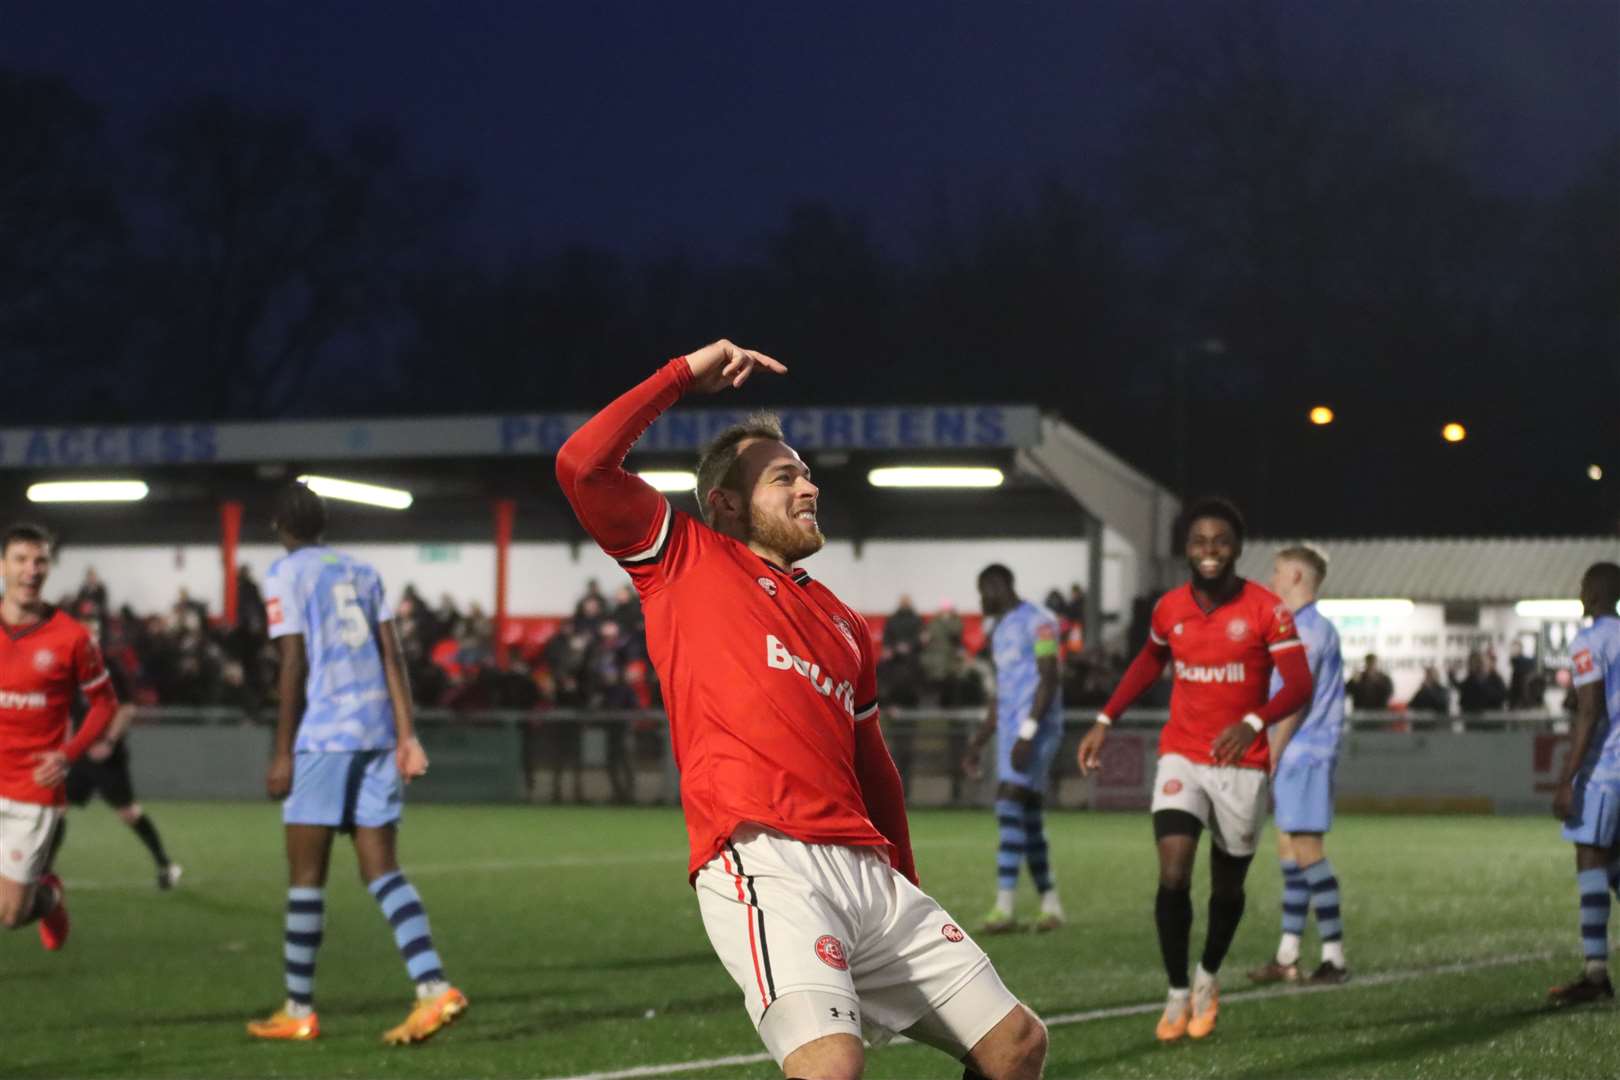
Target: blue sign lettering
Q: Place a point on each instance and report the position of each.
(39, 449)
(554, 431)
(950, 427)
(513, 430)
(70, 447)
(204, 443)
(988, 428)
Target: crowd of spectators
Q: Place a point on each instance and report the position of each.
(596, 658)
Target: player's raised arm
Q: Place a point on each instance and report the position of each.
(622, 512)
(1142, 674)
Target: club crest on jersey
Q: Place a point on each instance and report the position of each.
(1172, 787)
(849, 634)
(831, 952)
(1582, 662)
(44, 660)
(1237, 629)
(952, 932)
(272, 608)
(768, 585)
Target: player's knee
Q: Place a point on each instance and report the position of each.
(832, 1057)
(130, 814)
(1017, 1049)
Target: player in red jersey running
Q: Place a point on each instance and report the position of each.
(1225, 635)
(800, 851)
(45, 659)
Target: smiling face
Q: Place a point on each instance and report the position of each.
(779, 517)
(1212, 551)
(26, 565)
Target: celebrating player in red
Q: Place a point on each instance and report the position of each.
(800, 851)
(1224, 634)
(45, 658)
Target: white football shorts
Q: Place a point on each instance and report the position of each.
(1229, 801)
(845, 944)
(25, 839)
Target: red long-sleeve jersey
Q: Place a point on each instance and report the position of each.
(42, 666)
(1223, 662)
(769, 680)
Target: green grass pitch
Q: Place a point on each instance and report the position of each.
(574, 934)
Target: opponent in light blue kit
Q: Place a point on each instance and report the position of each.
(1588, 798)
(1304, 754)
(1027, 719)
(345, 744)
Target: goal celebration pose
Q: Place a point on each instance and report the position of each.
(800, 851)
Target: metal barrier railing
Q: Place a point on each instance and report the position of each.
(571, 755)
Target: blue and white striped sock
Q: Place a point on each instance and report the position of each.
(1324, 888)
(1035, 850)
(1594, 890)
(403, 909)
(1296, 908)
(306, 922)
(1014, 843)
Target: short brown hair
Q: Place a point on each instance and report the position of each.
(717, 465)
(25, 532)
(1306, 556)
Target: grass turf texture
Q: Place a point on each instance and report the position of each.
(575, 936)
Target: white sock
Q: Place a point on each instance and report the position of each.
(1201, 978)
(1178, 1000)
(297, 1009)
(1288, 949)
(1597, 970)
(1005, 899)
(1333, 953)
(1050, 904)
(430, 989)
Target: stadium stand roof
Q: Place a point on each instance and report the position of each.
(1443, 570)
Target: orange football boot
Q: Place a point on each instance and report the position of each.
(428, 1016)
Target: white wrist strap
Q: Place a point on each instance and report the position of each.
(1104, 719)
(1028, 728)
(1255, 722)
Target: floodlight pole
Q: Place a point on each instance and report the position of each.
(505, 512)
(230, 533)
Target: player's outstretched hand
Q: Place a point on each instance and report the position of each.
(1090, 752)
(1230, 744)
(970, 764)
(715, 367)
(278, 778)
(411, 759)
(51, 768)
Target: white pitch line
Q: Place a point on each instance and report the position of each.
(1090, 1015)
(675, 858)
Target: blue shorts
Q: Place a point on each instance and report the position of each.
(342, 790)
(1047, 741)
(1594, 820)
(1303, 790)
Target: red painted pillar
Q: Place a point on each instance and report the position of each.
(230, 532)
(505, 512)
